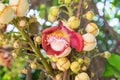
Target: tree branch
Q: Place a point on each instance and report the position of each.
(79, 9)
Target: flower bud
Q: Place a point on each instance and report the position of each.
(38, 39)
(106, 54)
(54, 58)
(60, 1)
(86, 61)
(82, 76)
(22, 23)
(24, 71)
(89, 42)
(6, 14)
(73, 22)
(14, 55)
(59, 76)
(92, 28)
(80, 60)
(67, 2)
(20, 6)
(63, 64)
(75, 67)
(85, 5)
(92, 74)
(89, 15)
(84, 68)
(33, 65)
(51, 18)
(16, 44)
(54, 11)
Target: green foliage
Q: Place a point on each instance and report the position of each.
(114, 60)
(42, 11)
(5, 1)
(13, 72)
(112, 68)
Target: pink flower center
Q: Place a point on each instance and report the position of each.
(58, 40)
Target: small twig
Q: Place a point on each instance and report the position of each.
(29, 75)
(79, 9)
(42, 76)
(45, 2)
(65, 75)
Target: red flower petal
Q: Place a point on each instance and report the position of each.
(47, 47)
(64, 28)
(49, 30)
(76, 41)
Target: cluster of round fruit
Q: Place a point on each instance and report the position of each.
(80, 66)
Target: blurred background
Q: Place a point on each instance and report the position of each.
(107, 17)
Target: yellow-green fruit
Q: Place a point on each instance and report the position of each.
(67, 2)
(73, 22)
(92, 28)
(63, 64)
(80, 60)
(54, 11)
(86, 61)
(82, 76)
(89, 42)
(75, 67)
(89, 15)
(51, 18)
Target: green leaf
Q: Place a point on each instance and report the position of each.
(108, 71)
(111, 71)
(114, 60)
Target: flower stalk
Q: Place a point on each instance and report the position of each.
(36, 50)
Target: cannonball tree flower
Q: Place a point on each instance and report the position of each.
(20, 6)
(58, 40)
(5, 58)
(6, 14)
